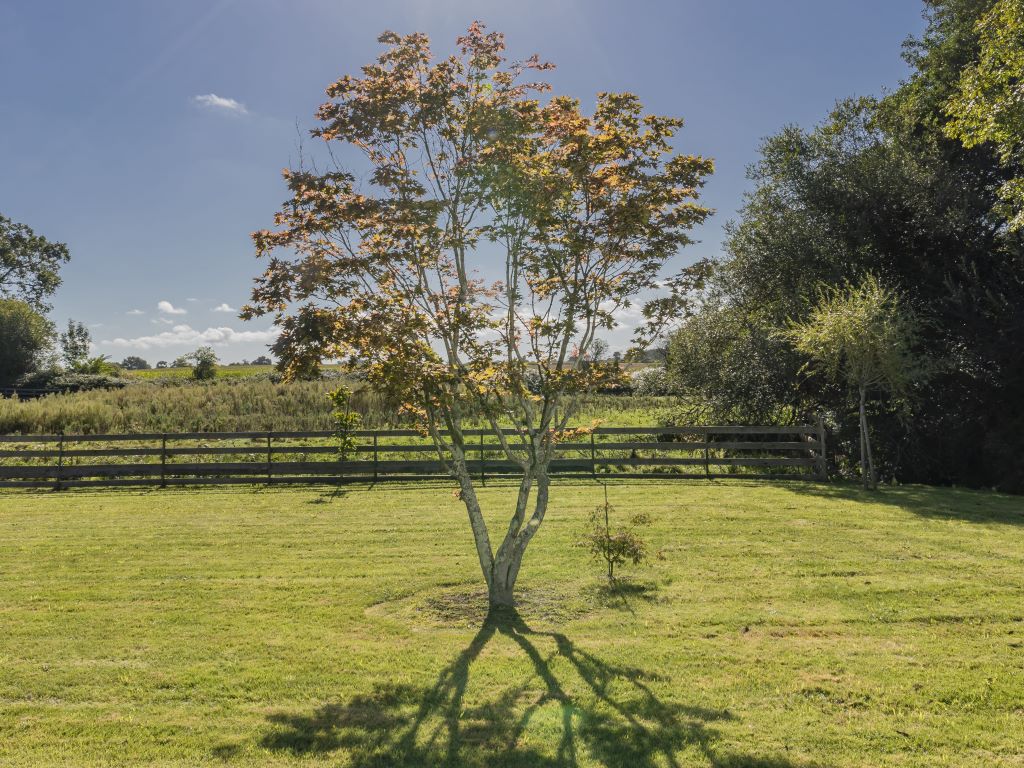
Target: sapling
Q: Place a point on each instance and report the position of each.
(615, 546)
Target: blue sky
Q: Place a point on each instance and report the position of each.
(149, 135)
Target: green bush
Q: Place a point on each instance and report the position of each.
(26, 338)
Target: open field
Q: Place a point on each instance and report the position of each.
(223, 371)
(244, 403)
(782, 626)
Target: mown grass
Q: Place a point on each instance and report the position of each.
(781, 626)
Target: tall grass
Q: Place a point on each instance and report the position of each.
(240, 405)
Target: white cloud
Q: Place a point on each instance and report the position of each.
(163, 320)
(220, 103)
(135, 312)
(191, 299)
(187, 335)
(169, 309)
(630, 316)
(223, 308)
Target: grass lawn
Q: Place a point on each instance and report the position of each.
(781, 626)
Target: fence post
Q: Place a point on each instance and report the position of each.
(483, 472)
(163, 460)
(60, 462)
(707, 469)
(375, 456)
(820, 458)
(270, 461)
(593, 457)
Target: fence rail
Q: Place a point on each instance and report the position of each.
(196, 458)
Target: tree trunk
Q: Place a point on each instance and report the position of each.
(500, 588)
(867, 465)
(501, 568)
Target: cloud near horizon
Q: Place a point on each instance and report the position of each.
(223, 308)
(187, 335)
(220, 103)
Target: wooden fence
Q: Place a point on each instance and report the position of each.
(216, 458)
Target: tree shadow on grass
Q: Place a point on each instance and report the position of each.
(618, 722)
(927, 501)
(622, 594)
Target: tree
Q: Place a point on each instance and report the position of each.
(262, 360)
(135, 363)
(729, 366)
(204, 363)
(75, 343)
(988, 105)
(863, 336)
(161, 364)
(879, 187)
(182, 361)
(468, 169)
(29, 264)
(25, 338)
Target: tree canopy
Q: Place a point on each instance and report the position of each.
(496, 236)
(861, 335)
(989, 103)
(29, 264)
(879, 187)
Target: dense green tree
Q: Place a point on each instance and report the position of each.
(204, 363)
(135, 363)
(25, 339)
(730, 366)
(29, 264)
(879, 187)
(989, 103)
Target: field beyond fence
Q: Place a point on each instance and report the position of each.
(220, 458)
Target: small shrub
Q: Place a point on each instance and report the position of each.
(649, 382)
(345, 421)
(616, 546)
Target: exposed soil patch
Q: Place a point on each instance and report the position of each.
(465, 605)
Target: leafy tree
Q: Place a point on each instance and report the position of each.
(467, 169)
(989, 105)
(879, 187)
(182, 361)
(729, 366)
(161, 364)
(204, 363)
(262, 360)
(136, 363)
(861, 335)
(29, 264)
(25, 338)
(75, 343)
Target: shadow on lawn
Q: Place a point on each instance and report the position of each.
(928, 501)
(621, 724)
